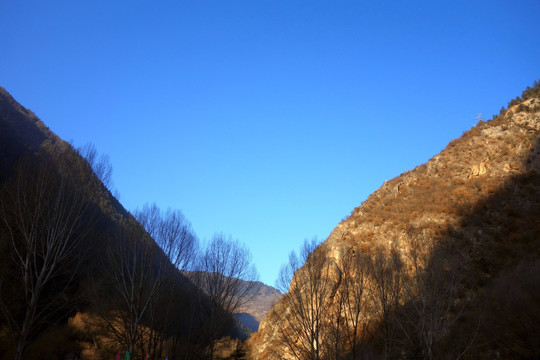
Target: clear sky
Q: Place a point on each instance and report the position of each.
(265, 120)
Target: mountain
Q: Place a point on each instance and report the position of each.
(261, 299)
(440, 262)
(80, 276)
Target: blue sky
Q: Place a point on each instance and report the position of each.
(265, 120)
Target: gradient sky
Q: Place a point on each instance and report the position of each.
(266, 120)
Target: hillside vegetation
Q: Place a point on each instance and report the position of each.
(441, 262)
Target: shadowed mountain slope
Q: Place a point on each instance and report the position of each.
(21, 132)
(83, 290)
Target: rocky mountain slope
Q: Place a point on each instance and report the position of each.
(471, 216)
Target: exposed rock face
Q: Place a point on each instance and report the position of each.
(481, 194)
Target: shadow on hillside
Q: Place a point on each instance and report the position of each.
(498, 241)
(480, 290)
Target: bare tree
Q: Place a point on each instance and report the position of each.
(144, 264)
(136, 271)
(173, 234)
(307, 301)
(386, 273)
(43, 219)
(350, 318)
(226, 275)
(287, 270)
(335, 339)
(432, 290)
(100, 164)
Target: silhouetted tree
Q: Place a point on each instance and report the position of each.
(226, 275)
(173, 234)
(100, 164)
(136, 270)
(43, 219)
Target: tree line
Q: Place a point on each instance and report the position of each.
(370, 305)
(144, 281)
(415, 301)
